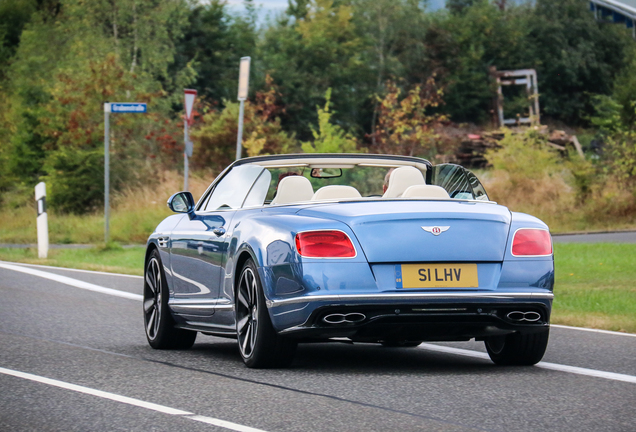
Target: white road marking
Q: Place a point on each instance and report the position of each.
(130, 401)
(615, 333)
(78, 270)
(439, 348)
(544, 365)
(72, 282)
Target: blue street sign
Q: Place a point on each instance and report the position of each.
(135, 107)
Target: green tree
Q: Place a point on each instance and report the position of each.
(406, 125)
(329, 138)
(463, 46)
(308, 55)
(575, 57)
(213, 43)
(215, 134)
(66, 66)
(14, 15)
(392, 33)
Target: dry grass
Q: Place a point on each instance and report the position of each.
(134, 215)
(569, 194)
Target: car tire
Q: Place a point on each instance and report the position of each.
(159, 324)
(518, 349)
(400, 344)
(259, 344)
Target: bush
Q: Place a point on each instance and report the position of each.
(74, 179)
(568, 193)
(528, 176)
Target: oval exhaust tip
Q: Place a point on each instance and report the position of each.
(350, 318)
(529, 316)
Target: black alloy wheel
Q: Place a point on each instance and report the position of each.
(259, 344)
(518, 349)
(158, 322)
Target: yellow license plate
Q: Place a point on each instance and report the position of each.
(436, 276)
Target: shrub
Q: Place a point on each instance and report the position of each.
(74, 179)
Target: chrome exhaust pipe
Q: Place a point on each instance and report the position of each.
(355, 317)
(530, 316)
(350, 318)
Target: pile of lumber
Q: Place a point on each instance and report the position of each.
(473, 147)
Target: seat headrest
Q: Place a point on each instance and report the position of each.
(425, 191)
(335, 192)
(400, 179)
(293, 189)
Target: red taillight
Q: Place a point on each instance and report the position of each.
(530, 241)
(324, 244)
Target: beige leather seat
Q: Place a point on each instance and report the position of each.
(335, 192)
(400, 179)
(293, 189)
(425, 191)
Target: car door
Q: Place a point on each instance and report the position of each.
(199, 244)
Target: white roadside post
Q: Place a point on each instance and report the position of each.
(190, 95)
(244, 78)
(114, 107)
(42, 220)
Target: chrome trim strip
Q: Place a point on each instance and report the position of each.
(407, 296)
(186, 302)
(199, 304)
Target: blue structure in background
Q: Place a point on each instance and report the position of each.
(619, 12)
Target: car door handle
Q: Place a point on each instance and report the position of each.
(219, 231)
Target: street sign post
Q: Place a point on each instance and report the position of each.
(244, 79)
(190, 96)
(114, 107)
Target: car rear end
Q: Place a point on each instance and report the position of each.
(418, 270)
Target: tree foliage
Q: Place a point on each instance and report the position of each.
(215, 135)
(327, 75)
(329, 137)
(407, 125)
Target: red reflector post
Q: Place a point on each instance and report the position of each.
(324, 244)
(535, 242)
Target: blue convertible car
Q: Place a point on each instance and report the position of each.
(369, 248)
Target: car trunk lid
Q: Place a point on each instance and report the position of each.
(402, 231)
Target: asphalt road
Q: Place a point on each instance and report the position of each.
(72, 359)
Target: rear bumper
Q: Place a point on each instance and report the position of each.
(411, 316)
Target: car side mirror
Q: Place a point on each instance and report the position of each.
(182, 202)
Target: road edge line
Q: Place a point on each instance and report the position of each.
(610, 332)
(73, 282)
(543, 365)
(73, 269)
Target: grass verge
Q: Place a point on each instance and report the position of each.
(594, 281)
(595, 285)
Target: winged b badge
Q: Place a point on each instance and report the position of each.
(435, 230)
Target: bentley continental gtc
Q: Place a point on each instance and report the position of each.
(392, 250)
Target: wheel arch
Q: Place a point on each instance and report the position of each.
(242, 258)
(151, 247)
